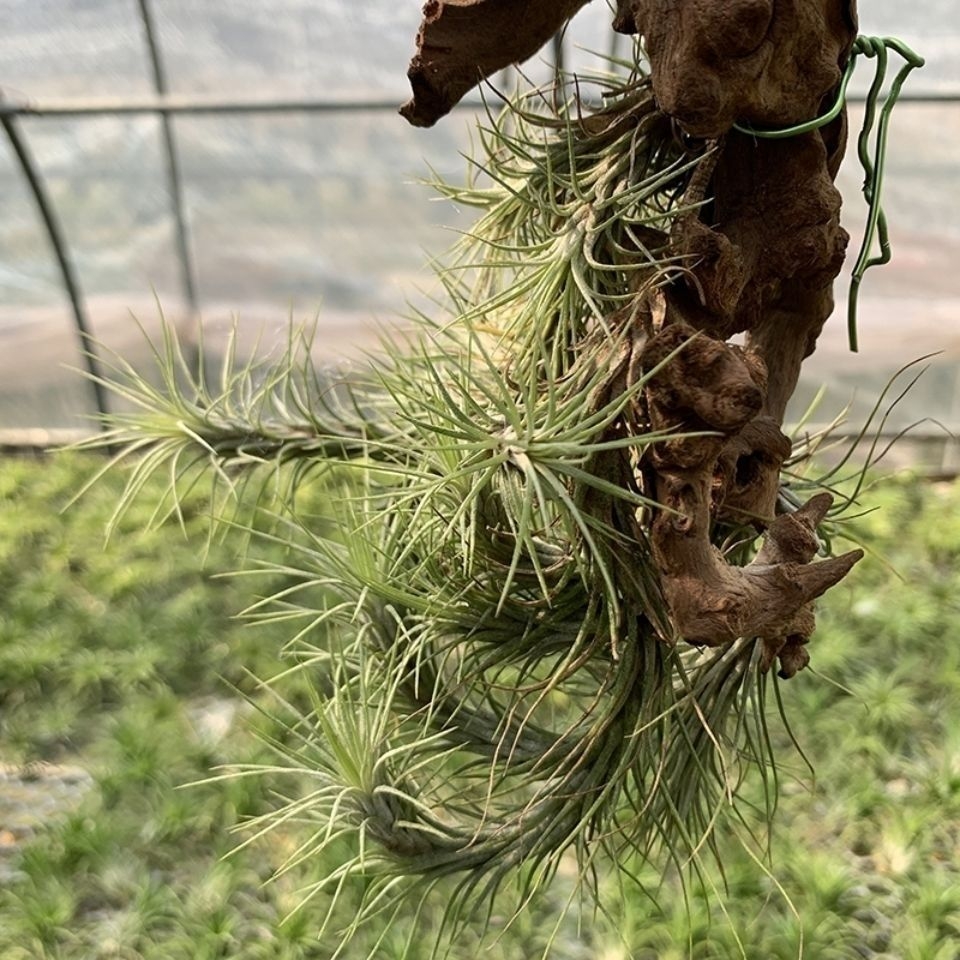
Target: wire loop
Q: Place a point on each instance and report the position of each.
(872, 156)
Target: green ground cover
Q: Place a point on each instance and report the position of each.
(128, 662)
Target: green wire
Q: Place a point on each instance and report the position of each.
(872, 160)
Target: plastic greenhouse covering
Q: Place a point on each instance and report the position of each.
(297, 214)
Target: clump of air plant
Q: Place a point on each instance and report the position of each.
(513, 664)
(502, 683)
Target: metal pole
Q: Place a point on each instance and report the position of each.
(614, 48)
(174, 180)
(559, 90)
(950, 461)
(558, 55)
(201, 105)
(58, 242)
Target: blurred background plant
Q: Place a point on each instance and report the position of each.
(140, 865)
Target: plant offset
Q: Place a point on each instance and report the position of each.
(562, 556)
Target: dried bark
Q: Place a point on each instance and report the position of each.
(462, 42)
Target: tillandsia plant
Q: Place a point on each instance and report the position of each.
(563, 558)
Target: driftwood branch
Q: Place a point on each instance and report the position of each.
(763, 247)
(761, 244)
(759, 62)
(462, 42)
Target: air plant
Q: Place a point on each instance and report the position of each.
(508, 673)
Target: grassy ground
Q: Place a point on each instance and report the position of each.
(126, 662)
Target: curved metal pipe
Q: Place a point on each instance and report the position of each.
(58, 243)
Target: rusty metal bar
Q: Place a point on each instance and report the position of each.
(58, 243)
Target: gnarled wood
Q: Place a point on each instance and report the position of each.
(764, 247)
(462, 42)
(759, 62)
(761, 245)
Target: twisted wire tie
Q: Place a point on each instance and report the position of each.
(873, 165)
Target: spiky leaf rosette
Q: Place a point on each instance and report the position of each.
(500, 683)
